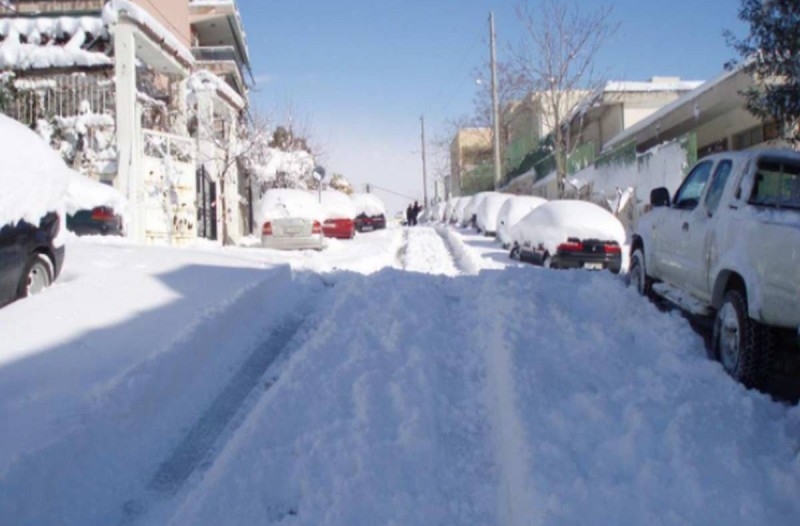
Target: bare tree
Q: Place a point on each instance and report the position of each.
(556, 59)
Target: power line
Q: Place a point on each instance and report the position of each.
(398, 194)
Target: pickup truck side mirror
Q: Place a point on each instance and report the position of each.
(659, 197)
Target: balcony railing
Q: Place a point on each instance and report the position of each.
(52, 6)
(217, 54)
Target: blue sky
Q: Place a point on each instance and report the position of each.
(360, 72)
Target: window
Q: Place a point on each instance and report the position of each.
(777, 184)
(692, 188)
(721, 175)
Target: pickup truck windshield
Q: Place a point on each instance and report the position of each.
(777, 184)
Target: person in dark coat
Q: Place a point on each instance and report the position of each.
(409, 215)
(416, 212)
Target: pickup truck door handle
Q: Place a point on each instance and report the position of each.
(686, 227)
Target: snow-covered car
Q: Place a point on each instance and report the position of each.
(370, 212)
(33, 183)
(468, 216)
(569, 234)
(291, 220)
(458, 210)
(512, 212)
(727, 246)
(340, 215)
(94, 208)
(488, 210)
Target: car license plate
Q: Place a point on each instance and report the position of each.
(366, 228)
(593, 266)
(293, 231)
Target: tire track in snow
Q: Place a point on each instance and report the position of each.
(427, 252)
(516, 506)
(198, 446)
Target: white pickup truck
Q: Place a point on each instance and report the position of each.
(728, 246)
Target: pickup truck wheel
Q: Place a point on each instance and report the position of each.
(637, 275)
(743, 346)
(515, 253)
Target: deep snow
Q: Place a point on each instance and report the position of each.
(433, 385)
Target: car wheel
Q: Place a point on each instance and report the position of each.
(744, 346)
(515, 253)
(637, 275)
(37, 277)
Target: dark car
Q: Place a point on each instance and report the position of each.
(591, 254)
(365, 223)
(29, 261)
(99, 221)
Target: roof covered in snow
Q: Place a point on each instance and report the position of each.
(337, 205)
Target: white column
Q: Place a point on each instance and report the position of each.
(129, 146)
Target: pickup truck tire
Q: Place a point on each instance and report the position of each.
(743, 346)
(637, 275)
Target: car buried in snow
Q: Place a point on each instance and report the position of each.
(339, 215)
(94, 208)
(512, 212)
(33, 184)
(370, 212)
(291, 220)
(727, 247)
(569, 234)
(487, 212)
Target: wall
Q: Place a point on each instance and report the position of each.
(172, 14)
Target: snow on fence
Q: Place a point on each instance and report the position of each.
(61, 96)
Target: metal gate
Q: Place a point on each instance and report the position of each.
(206, 205)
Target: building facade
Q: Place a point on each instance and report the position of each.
(470, 156)
(110, 85)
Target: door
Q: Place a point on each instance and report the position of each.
(13, 257)
(699, 239)
(206, 205)
(673, 230)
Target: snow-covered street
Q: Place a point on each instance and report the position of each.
(410, 376)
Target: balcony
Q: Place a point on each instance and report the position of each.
(224, 61)
(61, 7)
(218, 54)
(219, 24)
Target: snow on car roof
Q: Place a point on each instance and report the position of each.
(489, 208)
(337, 205)
(286, 203)
(552, 223)
(33, 179)
(368, 204)
(84, 194)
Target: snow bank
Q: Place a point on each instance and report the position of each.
(488, 209)
(33, 180)
(84, 194)
(551, 224)
(368, 204)
(337, 205)
(287, 203)
(512, 212)
(282, 169)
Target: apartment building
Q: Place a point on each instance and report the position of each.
(140, 94)
(470, 153)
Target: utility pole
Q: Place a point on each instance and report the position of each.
(424, 166)
(498, 171)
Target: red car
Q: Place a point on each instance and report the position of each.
(339, 215)
(339, 228)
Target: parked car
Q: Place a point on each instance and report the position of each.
(569, 234)
(486, 215)
(370, 212)
(727, 246)
(458, 210)
(340, 215)
(94, 208)
(33, 184)
(468, 217)
(291, 220)
(512, 212)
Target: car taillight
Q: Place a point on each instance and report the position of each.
(317, 228)
(612, 249)
(102, 214)
(571, 246)
(267, 229)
